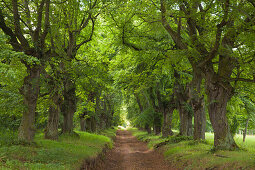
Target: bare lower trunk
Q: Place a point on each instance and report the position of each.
(51, 131)
(83, 124)
(88, 125)
(167, 125)
(199, 122)
(30, 91)
(190, 127)
(182, 96)
(157, 129)
(157, 124)
(197, 103)
(148, 128)
(186, 121)
(68, 122)
(245, 130)
(69, 105)
(218, 95)
(93, 124)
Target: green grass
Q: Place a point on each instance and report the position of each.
(66, 153)
(111, 132)
(184, 153)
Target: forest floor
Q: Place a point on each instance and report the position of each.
(130, 154)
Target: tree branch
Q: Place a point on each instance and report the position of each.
(17, 27)
(90, 37)
(177, 39)
(46, 22)
(127, 43)
(39, 21)
(8, 31)
(243, 80)
(219, 30)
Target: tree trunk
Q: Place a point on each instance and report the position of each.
(148, 128)
(157, 129)
(88, 125)
(51, 131)
(157, 124)
(190, 127)
(186, 121)
(245, 130)
(69, 105)
(197, 103)
(83, 124)
(93, 124)
(167, 124)
(182, 105)
(219, 93)
(30, 91)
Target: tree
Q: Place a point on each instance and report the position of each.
(205, 59)
(28, 37)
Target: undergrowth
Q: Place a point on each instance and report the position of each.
(184, 153)
(69, 152)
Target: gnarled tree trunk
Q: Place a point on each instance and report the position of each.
(148, 128)
(51, 131)
(219, 93)
(93, 124)
(185, 120)
(69, 105)
(30, 91)
(197, 103)
(167, 124)
(83, 124)
(182, 106)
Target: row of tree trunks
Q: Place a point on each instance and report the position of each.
(181, 99)
(218, 91)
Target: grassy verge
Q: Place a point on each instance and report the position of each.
(184, 153)
(66, 153)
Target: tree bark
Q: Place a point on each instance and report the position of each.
(83, 124)
(51, 131)
(148, 128)
(245, 130)
(69, 105)
(167, 124)
(185, 120)
(219, 92)
(30, 91)
(157, 123)
(182, 105)
(88, 125)
(93, 124)
(197, 103)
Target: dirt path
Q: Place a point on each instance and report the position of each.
(130, 154)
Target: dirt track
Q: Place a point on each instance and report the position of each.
(130, 154)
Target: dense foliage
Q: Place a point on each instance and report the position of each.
(163, 65)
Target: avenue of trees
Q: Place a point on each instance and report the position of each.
(186, 65)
